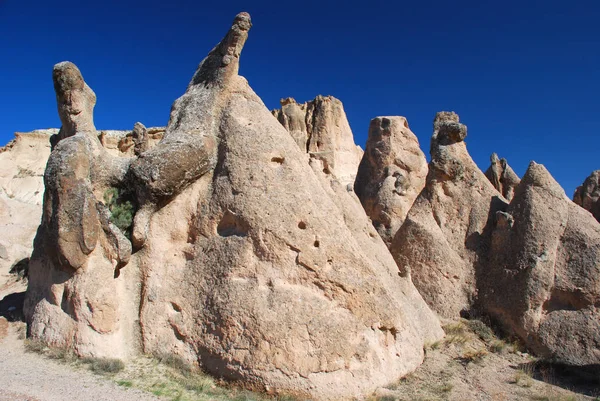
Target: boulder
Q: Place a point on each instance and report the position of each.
(445, 234)
(502, 176)
(256, 265)
(391, 174)
(543, 277)
(587, 194)
(321, 129)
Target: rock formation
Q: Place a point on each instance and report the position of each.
(391, 174)
(443, 236)
(587, 194)
(502, 177)
(543, 277)
(532, 265)
(256, 265)
(321, 129)
(22, 163)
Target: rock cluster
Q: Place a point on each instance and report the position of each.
(587, 194)
(231, 239)
(321, 129)
(241, 257)
(442, 238)
(531, 264)
(543, 277)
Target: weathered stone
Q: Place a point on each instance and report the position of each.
(587, 194)
(253, 263)
(73, 299)
(543, 277)
(502, 176)
(140, 138)
(321, 129)
(444, 235)
(75, 100)
(391, 174)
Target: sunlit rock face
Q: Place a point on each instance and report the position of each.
(321, 129)
(240, 257)
(391, 174)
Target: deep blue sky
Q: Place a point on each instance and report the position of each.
(524, 76)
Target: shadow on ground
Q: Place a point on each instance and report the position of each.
(11, 307)
(579, 379)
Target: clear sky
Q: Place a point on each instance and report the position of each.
(523, 75)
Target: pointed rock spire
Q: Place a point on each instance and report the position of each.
(391, 174)
(502, 176)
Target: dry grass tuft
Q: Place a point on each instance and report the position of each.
(104, 365)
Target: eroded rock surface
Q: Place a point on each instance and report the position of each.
(391, 174)
(444, 235)
(543, 279)
(255, 264)
(587, 194)
(502, 176)
(321, 129)
(22, 164)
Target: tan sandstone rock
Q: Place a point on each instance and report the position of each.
(22, 164)
(444, 235)
(391, 174)
(251, 262)
(587, 194)
(543, 279)
(320, 128)
(502, 176)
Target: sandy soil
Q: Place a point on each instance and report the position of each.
(28, 376)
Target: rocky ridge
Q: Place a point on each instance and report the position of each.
(230, 238)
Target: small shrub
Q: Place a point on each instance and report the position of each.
(125, 383)
(456, 339)
(176, 362)
(36, 346)
(522, 379)
(473, 355)
(61, 354)
(104, 365)
(481, 330)
(121, 209)
(455, 328)
(497, 346)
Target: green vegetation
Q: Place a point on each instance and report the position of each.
(121, 209)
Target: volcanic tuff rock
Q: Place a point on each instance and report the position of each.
(391, 174)
(532, 265)
(587, 194)
(321, 129)
(443, 236)
(22, 164)
(543, 277)
(502, 176)
(251, 262)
